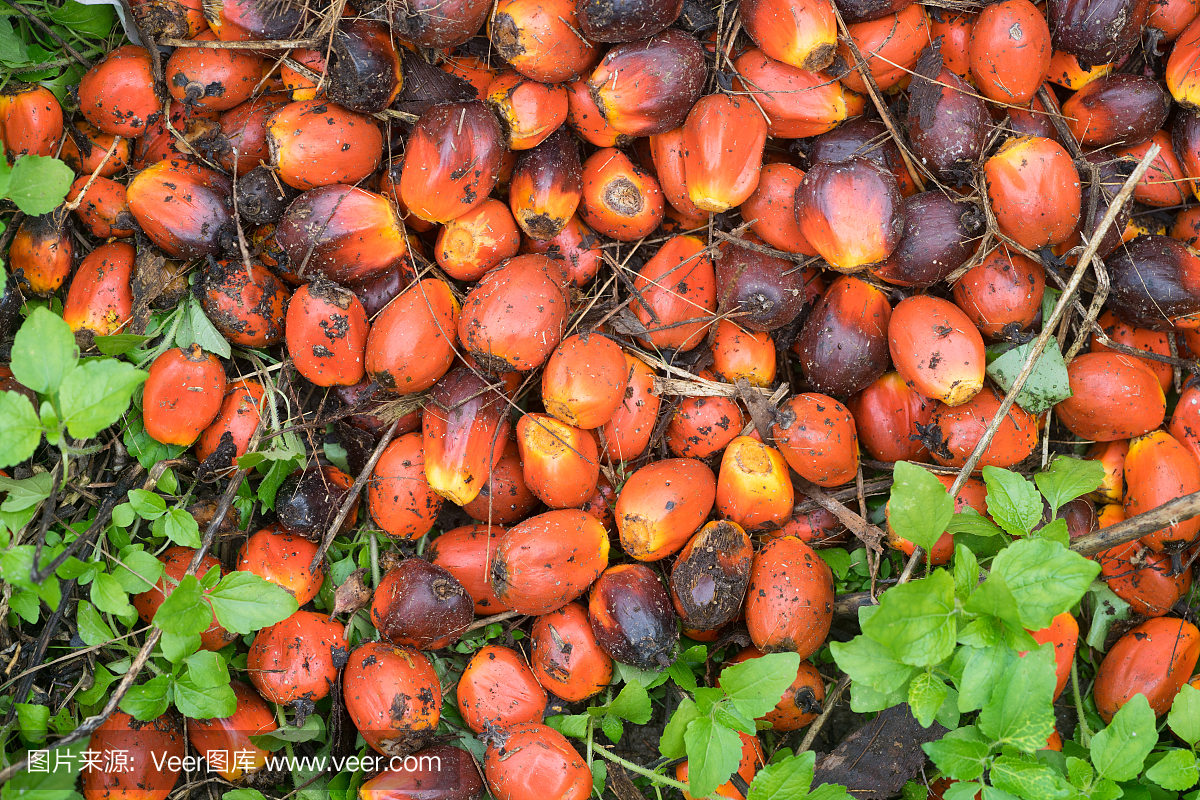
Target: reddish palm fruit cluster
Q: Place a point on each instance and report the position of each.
(564, 276)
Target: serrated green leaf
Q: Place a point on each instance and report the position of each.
(1044, 577)
(39, 184)
(150, 700)
(1020, 711)
(179, 526)
(993, 598)
(96, 394)
(1079, 772)
(980, 668)
(1184, 717)
(92, 627)
(185, 611)
(1119, 750)
(790, 778)
(176, 647)
(754, 686)
(961, 754)
(1012, 501)
(1067, 478)
(869, 662)
(147, 505)
(204, 702)
(714, 753)
(244, 602)
(574, 725)
(109, 596)
(966, 572)
(612, 727)
(1026, 778)
(917, 620)
(671, 743)
(926, 693)
(91, 20)
(919, 508)
(195, 328)
(20, 429)
(963, 791)
(633, 704)
(1056, 531)
(120, 343)
(970, 522)
(138, 570)
(1175, 771)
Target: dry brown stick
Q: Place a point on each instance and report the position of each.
(281, 44)
(1137, 526)
(870, 488)
(869, 534)
(352, 495)
(89, 725)
(483, 623)
(830, 701)
(1043, 339)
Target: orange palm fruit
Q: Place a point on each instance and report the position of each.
(1034, 190)
(753, 486)
(740, 354)
(723, 141)
(182, 394)
(627, 433)
(798, 103)
(1159, 469)
(662, 504)
(584, 380)
(851, 213)
(678, 294)
(530, 111)
(465, 426)
(801, 33)
(937, 349)
(100, 299)
(469, 246)
(546, 187)
(620, 199)
(817, 436)
(454, 153)
(1010, 51)
(560, 462)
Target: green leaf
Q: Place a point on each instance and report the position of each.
(96, 394)
(91, 20)
(1176, 770)
(1044, 577)
(789, 778)
(1067, 478)
(713, 752)
(574, 725)
(176, 647)
(109, 596)
(195, 328)
(926, 694)
(829, 791)
(919, 508)
(963, 791)
(981, 668)
(120, 343)
(43, 351)
(1108, 609)
(148, 701)
(633, 704)
(1056, 531)
(25, 493)
(38, 184)
(1079, 772)
(53, 784)
(92, 627)
(961, 754)
(1184, 717)
(13, 53)
(203, 692)
(139, 570)
(313, 729)
(970, 522)
(147, 505)
(33, 720)
(1027, 778)
(243, 794)
(917, 619)
(1047, 385)
(671, 743)
(1119, 750)
(869, 662)
(20, 428)
(185, 612)
(730, 717)
(1021, 709)
(612, 727)
(838, 561)
(966, 572)
(179, 526)
(756, 685)
(244, 602)
(992, 597)
(1012, 501)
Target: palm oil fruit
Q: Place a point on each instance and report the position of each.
(393, 696)
(118, 94)
(100, 298)
(464, 427)
(466, 553)
(584, 380)
(753, 486)
(549, 560)
(1153, 659)
(532, 760)
(851, 213)
(411, 343)
(937, 349)
(817, 436)
(789, 603)
(421, 605)
(662, 505)
(182, 395)
(723, 139)
(565, 657)
(326, 330)
(498, 689)
(632, 616)
(710, 576)
(1159, 469)
(1113, 396)
(649, 86)
(1033, 188)
(620, 199)
(560, 462)
(398, 495)
(1010, 51)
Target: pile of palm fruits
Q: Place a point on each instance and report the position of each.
(597, 295)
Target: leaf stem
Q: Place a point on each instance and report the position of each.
(1084, 733)
(629, 765)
